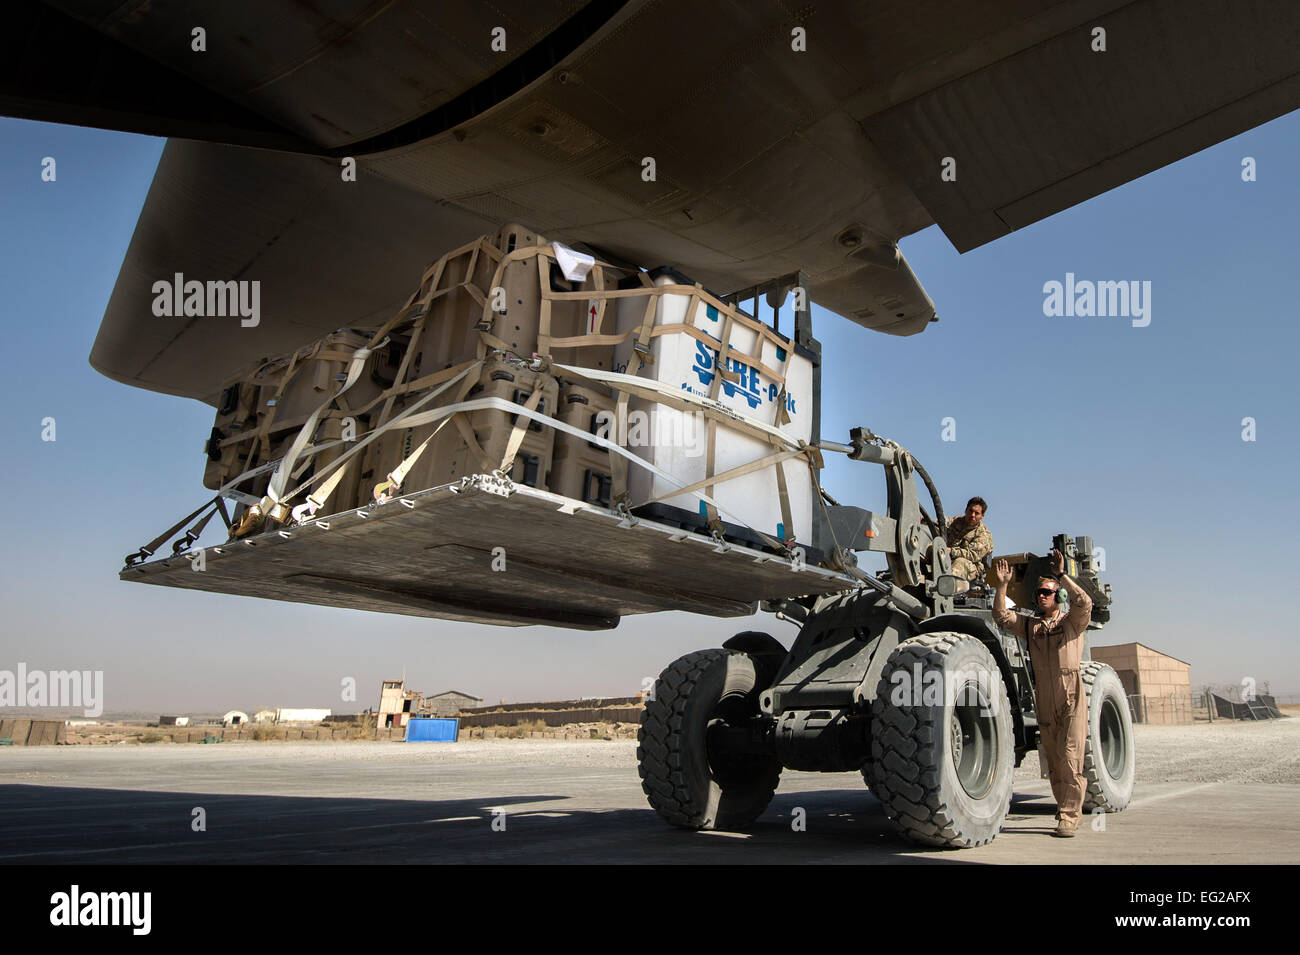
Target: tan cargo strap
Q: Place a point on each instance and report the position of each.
(617, 464)
(544, 319)
(583, 341)
(399, 379)
(500, 404)
(280, 478)
(317, 498)
(272, 421)
(491, 342)
(489, 314)
(386, 490)
(598, 272)
(724, 353)
(521, 426)
(715, 386)
(462, 422)
(736, 472)
(779, 417)
(465, 373)
(783, 496)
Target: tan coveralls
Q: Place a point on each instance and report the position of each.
(1055, 651)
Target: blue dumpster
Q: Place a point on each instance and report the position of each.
(423, 729)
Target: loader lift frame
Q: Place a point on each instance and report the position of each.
(853, 692)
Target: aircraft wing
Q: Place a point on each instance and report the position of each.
(782, 138)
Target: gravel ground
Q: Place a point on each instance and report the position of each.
(1224, 751)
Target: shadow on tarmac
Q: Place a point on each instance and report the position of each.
(79, 825)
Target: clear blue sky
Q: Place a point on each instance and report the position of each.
(1085, 425)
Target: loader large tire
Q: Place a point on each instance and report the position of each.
(689, 783)
(1109, 758)
(942, 756)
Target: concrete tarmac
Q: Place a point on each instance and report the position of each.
(582, 802)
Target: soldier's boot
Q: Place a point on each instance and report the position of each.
(1066, 828)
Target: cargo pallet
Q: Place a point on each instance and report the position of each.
(432, 553)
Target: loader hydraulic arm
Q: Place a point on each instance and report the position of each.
(914, 545)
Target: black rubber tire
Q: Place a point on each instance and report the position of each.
(913, 772)
(686, 784)
(1109, 758)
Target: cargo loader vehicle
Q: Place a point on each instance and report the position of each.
(907, 680)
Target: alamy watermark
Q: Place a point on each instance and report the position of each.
(78, 907)
(921, 687)
(1086, 299)
(55, 688)
(641, 429)
(180, 298)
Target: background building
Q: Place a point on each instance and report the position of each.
(397, 704)
(1159, 686)
(451, 702)
(301, 715)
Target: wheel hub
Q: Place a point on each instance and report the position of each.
(1113, 754)
(974, 741)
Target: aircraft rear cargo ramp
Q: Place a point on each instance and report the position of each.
(431, 554)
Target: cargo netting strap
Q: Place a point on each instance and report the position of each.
(775, 458)
(501, 404)
(640, 347)
(267, 505)
(280, 478)
(317, 498)
(465, 374)
(403, 369)
(715, 412)
(779, 418)
(387, 489)
(488, 316)
(715, 387)
(521, 427)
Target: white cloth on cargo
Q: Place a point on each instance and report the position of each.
(574, 265)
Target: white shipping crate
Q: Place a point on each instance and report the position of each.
(676, 441)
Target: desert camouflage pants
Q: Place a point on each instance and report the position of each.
(961, 567)
(1063, 727)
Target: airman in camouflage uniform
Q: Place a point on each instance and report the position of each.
(969, 541)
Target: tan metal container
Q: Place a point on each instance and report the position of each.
(581, 469)
(448, 457)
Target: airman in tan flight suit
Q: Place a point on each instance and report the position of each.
(1055, 651)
